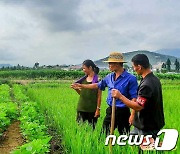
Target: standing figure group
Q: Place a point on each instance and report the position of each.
(145, 100)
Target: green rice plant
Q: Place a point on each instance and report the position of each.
(60, 106)
(59, 103)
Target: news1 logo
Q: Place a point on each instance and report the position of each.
(168, 143)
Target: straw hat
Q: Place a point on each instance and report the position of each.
(115, 57)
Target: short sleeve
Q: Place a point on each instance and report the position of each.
(102, 84)
(133, 86)
(144, 94)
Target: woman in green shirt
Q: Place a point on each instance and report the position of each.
(88, 108)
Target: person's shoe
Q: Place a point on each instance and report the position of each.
(151, 146)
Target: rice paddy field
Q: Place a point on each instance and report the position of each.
(59, 101)
(52, 104)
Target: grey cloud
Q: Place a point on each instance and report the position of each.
(60, 15)
(56, 15)
(83, 29)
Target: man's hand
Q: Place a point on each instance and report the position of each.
(116, 93)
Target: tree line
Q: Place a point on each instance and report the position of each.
(167, 65)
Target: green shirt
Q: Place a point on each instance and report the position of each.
(88, 99)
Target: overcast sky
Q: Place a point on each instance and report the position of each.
(70, 31)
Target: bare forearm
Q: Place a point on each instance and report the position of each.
(97, 113)
(133, 111)
(99, 99)
(132, 104)
(90, 86)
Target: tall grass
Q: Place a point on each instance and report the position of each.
(59, 103)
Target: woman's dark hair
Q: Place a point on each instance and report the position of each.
(89, 63)
(141, 59)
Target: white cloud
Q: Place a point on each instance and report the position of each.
(59, 32)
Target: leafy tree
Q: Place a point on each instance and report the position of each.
(163, 66)
(168, 64)
(14, 68)
(18, 67)
(177, 65)
(36, 65)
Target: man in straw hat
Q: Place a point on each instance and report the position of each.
(149, 114)
(123, 81)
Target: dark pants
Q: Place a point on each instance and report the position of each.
(140, 132)
(87, 116)
(121, 120)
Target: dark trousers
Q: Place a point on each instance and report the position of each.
(140, 132)
(87, 116)
(121, 120)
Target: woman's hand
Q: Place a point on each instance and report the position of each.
(97, 113)
(73, 86)
(76, 86)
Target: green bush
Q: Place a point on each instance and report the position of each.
(32, 125)
(39, 146)
(8, 109)
(61, 74)
(8, 112)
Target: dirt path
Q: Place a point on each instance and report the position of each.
(12, 139)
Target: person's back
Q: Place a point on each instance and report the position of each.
(151, 117)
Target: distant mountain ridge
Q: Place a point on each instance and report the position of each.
(5, 65)
(154, 58)
(171, 52)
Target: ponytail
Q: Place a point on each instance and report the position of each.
(96, 70)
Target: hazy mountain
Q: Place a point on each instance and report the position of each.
(171, 52)
(155, 58)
